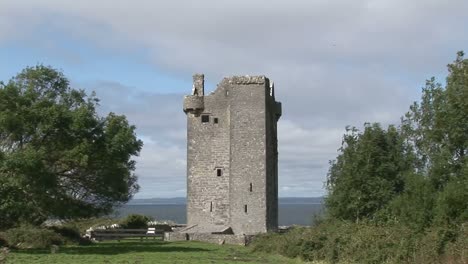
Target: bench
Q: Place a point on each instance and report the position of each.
(118, 234)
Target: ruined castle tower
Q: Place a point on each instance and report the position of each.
(232, 157)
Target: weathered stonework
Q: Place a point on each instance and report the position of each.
(232, 157)
(241, 240)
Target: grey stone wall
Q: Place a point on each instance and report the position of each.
(219, 239)
(211, 238)
(239, 139)
(248, 144)
(208, 151)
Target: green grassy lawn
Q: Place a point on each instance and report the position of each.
(150, 251)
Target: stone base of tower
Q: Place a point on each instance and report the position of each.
(220, 239)
(224, 236)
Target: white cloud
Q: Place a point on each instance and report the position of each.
(225, 37)
(334, 63)
(161, 170)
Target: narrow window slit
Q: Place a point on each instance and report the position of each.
(245, 208)
(251, 187)
(211, 206)
(219, 172)
(215, 120)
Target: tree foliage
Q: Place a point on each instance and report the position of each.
(437, 128)
(416, 174)
(135, 221)
(368, 173)
(58, 157)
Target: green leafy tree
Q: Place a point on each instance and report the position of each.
(58, 157)
(419, 126)
(437, 129)
(368, 172)
(419, 179)
(456, 115)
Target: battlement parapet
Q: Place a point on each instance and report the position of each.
(246, 79)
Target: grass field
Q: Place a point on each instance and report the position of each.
(134, 251)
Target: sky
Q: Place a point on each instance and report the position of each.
(334, 63)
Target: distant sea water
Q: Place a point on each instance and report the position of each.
(288, 214)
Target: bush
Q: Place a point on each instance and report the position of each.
(32, 237)
(457, 252)
(70, 233)
(448, 244)
(337, 242)
(285, 244)
(3, 241)
(135, 221)
(3, 254)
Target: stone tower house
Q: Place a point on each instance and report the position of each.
(232, 157)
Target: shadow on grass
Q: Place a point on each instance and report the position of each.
(115, 248)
